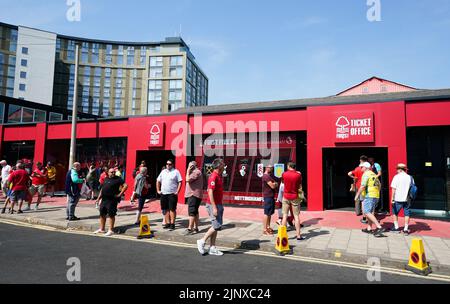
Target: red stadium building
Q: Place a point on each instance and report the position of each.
(325, 136)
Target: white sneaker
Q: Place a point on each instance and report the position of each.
(96, 205)
(99, 231)
(109, 233)
(214, 251)
(26, 208)
(201, 247)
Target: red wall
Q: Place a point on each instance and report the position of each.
(437, 113)
(390, 131)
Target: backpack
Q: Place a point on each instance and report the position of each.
(412, 194)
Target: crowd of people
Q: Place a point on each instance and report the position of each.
(106, 186)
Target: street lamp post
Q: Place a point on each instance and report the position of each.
(73, 139)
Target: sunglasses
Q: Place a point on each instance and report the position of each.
(169, 164)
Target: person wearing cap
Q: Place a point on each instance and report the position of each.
(370, 188)
(356, 175)
(6, 169)
(401, 183)
(215, 209)
(269, 187)
(193, 196)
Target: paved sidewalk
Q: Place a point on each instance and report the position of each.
(330, 242)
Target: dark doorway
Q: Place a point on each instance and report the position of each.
(14, 151)
(156, 161)
(337, 163)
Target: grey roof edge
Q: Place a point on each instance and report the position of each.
(419, 95)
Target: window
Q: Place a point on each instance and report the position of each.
(95, 53)
(84, 52)
(120, 55)
(23, 75)
(14, 114)
(22, 87)
(108, 57)
(176, 71)
(39, 116)
(156, 72)
(24, 62)
(55, 117)
(2, 111)
(25, 50)
(383, 88)
(365, 90)
(156, 61)
(143, 55)
(155, 84)
(27, 115)
(175, 84)
(176, 61)
(130, 56)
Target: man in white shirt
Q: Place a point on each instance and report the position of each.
(168, 186)
(6, 169)
(401, 185)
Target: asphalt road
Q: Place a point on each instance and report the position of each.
(30, 255)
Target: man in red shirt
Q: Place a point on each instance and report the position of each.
(357, 178)
(215, 208)
(292, 180)
(19, 179)
(38, 182)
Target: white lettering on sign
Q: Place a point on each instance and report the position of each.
(353, 127)
(248, 199)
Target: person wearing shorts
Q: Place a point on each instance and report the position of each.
(51, 178)
(215, 209)
(370, 188)
(19, 180)
(269, 187)
(168, 186)
(292, 180)
(401, 185)
(141, 187)
(110, 195)
(193, 195)
(39, 180)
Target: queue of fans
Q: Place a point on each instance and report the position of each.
(106, 186)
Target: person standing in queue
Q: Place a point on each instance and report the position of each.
(168, 186)
(193, 195)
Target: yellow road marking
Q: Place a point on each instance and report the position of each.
(435, 277)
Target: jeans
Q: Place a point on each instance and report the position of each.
(72, 202)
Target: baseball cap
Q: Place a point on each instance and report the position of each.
(402, 166)
(366, 165)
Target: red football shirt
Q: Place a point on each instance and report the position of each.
(215, 183)
(39, 180)
(357, 173)
(19, 179)
(292, 181)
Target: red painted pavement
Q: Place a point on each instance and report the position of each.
(332, 219)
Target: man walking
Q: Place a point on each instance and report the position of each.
(110, 195)
(6, 169)
(168, 186)
(292, 180)
(19, 179)
(370, 188)
(215, 209)
(356, 175)
(269, 187)
(401, 185)
(193, 195)
(51, 179)
(73, 191)
(39, 179)
(141, 192)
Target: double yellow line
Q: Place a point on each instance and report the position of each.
(394, 271)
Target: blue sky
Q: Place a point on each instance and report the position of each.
(259, 50)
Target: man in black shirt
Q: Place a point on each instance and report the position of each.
(110, 195)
